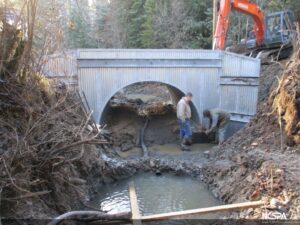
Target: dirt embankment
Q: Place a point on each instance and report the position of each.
(259, 160)
(48, 156)
(49, 146)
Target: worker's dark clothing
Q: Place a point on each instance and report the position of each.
(218, 121)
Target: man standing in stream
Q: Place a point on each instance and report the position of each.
(184, 115)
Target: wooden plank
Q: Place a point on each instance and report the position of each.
(164, 216)
(136, 216)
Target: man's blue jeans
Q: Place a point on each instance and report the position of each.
(185, 129)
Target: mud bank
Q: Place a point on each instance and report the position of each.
(259, 158)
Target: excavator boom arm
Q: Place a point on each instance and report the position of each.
(243, 6)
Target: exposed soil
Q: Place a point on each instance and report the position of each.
(254, 154)
(258, 157)
(146, 91)
(129, 110)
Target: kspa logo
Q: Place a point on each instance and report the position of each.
(274, 216)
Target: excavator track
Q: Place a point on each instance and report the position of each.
(267, 55)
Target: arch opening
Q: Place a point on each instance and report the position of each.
(127, 110)
(175, 94)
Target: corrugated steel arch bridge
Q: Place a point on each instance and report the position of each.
(216, 78)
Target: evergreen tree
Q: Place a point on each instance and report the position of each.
(101, 11)
(156, 23)
(79, 25)
(135, 20)
(198, 24)
(148, 33)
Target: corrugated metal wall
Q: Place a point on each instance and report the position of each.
(62, 67)
(108, 71)
(239, 86)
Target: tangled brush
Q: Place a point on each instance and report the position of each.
(286, 101)
(43, 133)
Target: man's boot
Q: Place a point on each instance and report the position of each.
(184, 146)
(189, 141)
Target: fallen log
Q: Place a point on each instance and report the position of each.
(91, 216)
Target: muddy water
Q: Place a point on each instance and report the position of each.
(158, 194)
(167, 149)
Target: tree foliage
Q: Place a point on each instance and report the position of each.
(79, 25)
(155, 23)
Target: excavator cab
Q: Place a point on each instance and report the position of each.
(279, 30)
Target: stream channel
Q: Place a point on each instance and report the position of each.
(159, 194)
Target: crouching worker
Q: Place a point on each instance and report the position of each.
(218, 119)
(184, 116)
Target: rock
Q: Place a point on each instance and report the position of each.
(215, 193)
(274, 203)
(152, 164)
(206, 154)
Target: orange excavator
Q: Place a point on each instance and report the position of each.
(270, 32)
